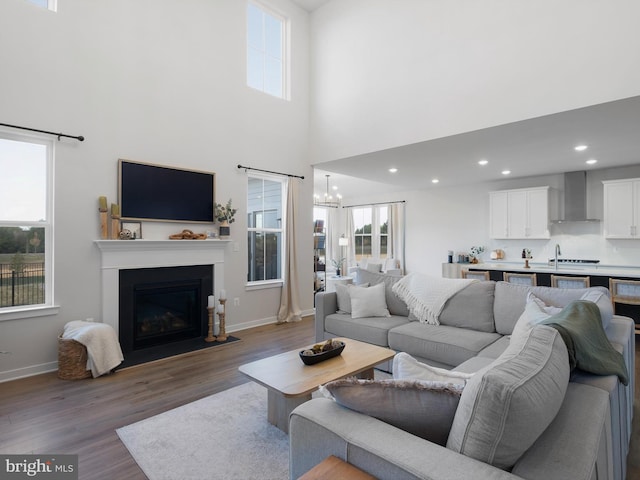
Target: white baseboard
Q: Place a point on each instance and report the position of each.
(236, 327)
(28, 371)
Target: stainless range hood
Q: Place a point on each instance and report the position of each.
(575, 198)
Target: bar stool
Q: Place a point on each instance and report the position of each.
(565, 281)
(626, 292)
(529, 279)
(475, 274)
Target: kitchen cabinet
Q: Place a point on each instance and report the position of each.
(622, 208)
(519, 214)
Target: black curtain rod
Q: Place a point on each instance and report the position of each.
(269, 171)
(372, 204)
(80, 138)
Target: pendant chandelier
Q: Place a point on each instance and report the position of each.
(328, 200)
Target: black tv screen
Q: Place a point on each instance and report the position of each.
(156, 192)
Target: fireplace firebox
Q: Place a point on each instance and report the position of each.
(162, 311)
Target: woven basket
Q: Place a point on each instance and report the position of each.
(72, 360)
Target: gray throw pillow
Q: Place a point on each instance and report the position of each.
(422, 408)
(507, 405)
(368, 302)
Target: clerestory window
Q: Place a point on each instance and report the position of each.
(266, 50)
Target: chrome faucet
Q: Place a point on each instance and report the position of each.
(557, 253)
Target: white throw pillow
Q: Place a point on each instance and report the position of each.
(368, 302)
(535, 311)
(405, 367)
(343, 296)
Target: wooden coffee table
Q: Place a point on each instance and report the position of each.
(290, 382)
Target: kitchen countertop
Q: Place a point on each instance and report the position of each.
(569, 269)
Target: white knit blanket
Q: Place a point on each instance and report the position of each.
(103, 348)
(426, 296)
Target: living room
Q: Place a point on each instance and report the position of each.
(166, 84)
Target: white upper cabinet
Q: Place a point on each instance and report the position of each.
(622, 208)
(519, 214)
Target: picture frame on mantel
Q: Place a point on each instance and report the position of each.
(134, 227)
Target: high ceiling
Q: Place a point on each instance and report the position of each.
(539, 146)
(311, 5)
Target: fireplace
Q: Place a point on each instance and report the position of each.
(162, 310)
(167, 287)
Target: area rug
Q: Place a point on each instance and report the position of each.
(223, 436)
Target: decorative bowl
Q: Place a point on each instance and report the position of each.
(322, 356)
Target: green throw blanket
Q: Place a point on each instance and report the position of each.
(580, 326)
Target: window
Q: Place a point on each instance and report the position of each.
(50, 4)
(26, 196)
(265, 228)
(371, 232)
(266, 65)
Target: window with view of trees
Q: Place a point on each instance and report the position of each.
(371, 227)
(265, 228)
(25, 221)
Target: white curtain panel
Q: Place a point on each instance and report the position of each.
(290, 297)
(351, 248)
(396, 211)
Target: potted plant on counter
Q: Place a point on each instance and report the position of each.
(474, 253)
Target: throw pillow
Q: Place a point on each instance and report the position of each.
(344, 297)
(405, 367)
(506, 406)
(368, 302)
(535, 311)
(374, 267)
(394, 304)
(424, 409)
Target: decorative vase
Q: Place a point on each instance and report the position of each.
(474, 260)
(337, 272)
(225, 230)
(526, 263)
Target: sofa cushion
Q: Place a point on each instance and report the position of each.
(368, 302)
(496, 349)
(405, 367)
(440, 343)
(394, 304)
(471, 307)
(373, 330)
(510, 300)
(422, 408)
(505, 407)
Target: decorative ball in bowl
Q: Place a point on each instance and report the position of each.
(322, 351)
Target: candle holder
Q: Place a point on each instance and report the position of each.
(526, 263)
(210, 337)
(222, 334)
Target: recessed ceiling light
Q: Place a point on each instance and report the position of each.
(393, 170)
(580, 148)
(435, 180)
(506, 172)
(483, 162)
(592, 161)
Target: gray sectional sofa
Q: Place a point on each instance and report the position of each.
(587, 439)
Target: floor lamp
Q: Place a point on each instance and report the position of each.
(343, 242)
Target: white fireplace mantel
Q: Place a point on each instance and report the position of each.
(129, 254)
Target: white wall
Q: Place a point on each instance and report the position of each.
(387, 73)
(161, 82)
(443, 219)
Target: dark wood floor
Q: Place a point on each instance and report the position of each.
(44, 414)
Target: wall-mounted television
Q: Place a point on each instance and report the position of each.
(160, 193)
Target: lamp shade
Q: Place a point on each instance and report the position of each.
(343, 241)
